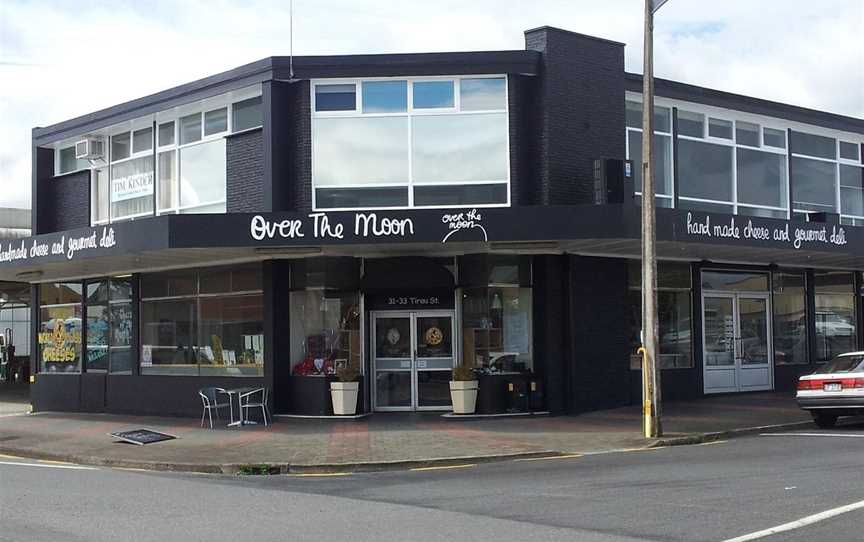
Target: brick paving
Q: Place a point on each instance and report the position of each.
(381, 438)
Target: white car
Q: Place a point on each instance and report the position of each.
(835, 389)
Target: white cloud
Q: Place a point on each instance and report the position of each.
(83, 56)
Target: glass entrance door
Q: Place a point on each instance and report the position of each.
(413, 356)
(736, 342)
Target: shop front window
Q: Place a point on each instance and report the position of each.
(109, 326)
(60, 332)
(836, 330)
(674, 310)
(497, 307)
(790, 319)
(325, 331)
(496, 328)
(207, 323)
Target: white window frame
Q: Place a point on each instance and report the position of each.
(764, 122)
(226, 100)
(410, 112)
(637, 160)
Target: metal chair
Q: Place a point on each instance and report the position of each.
(210, 400)
(254, 399)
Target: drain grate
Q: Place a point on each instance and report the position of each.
(7, 439)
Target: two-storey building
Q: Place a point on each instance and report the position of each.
(405, 213)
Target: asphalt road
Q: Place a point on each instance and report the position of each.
(710, 492)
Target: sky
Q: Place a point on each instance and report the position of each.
(62, 59)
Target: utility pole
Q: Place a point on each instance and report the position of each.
(650, 370)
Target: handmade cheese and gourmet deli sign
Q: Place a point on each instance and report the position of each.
(469, 225)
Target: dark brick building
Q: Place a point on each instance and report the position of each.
(404, 214)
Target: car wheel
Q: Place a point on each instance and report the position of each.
(825, 421)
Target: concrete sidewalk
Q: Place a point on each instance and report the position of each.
(383, 441)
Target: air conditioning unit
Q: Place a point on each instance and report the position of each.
(91, 148)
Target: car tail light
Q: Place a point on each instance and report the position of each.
(809, 385)
(859, 383)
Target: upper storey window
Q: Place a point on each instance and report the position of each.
(730, 165)
(827, 176)
(403, 143)
(662, 149)
(174, 160)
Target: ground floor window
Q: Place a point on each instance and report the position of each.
(207, 323)
(836, 329)
(60, 332)
(497, 313)
(325, 331)
(674, 310)
(790, 318)
(496, 328)
(109, 326)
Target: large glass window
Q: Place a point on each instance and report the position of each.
(247, 114)
(132, 188)
(202, 176)
(109, 326)
(357, 151)
(100, 196)
(790, 318)
(382, 149)
(68, 163)
(60, 327)
(459, 149)
(745, 165)
(852, 191)
(705, 170)
(761, 178)
(674, 309)
(497, 326)
(325, 331)
(814, 185)
(203, 322)
(188, 147)
(835, 314)
(662, 149)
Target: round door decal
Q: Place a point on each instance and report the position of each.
(393, 336)
(434, 336)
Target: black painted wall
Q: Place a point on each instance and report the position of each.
(63, 202)
(553, 352)
(580, 110)
(245, 175)
(300, 149)
(598, 324)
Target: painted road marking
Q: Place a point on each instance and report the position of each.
(47, 466)
(797, 524)
(710, 443)
(445, 467)
(847, 435)
(312, 474)
(548, 458)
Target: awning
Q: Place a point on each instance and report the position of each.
(174, 241)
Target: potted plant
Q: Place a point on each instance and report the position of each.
(344, 390)
(463, 390)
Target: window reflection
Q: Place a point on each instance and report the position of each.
(449, 149)
(835, 314)
(482, 94)
(202, 174)
(361, 150)
(790, 319)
